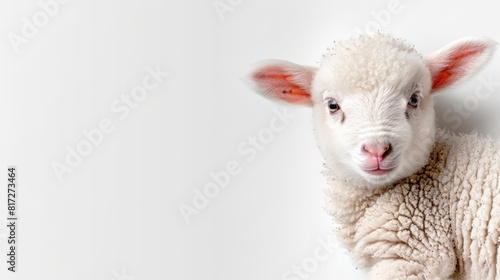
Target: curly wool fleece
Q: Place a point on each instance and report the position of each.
(374, 122)
(378, 58)
(443, 221)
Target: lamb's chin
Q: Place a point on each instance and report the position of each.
(364, 180)
(378, 181)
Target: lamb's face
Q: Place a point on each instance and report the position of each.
(374, 124)
(371, 99)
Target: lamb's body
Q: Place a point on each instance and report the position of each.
(443, 222)
(410, 202)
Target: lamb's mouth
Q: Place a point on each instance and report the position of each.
(379, 171)
(382, 168)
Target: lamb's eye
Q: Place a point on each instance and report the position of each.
(333, 105)
(414, 100)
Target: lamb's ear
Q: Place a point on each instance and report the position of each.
(282, 80)
(459, 60)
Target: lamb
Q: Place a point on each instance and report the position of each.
(409, 200)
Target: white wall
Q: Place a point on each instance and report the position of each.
(116, 214)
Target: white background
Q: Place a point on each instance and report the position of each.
(116, 215)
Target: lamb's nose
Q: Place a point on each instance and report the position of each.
(377, 150)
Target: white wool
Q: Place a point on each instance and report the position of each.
(443, 222)
(429, 208)
(363, 62)
(440, 222)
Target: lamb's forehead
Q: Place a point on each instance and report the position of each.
(369, 62)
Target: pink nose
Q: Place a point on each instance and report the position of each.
(377, 150)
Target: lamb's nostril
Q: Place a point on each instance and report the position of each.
(377, 149)
(387, 150)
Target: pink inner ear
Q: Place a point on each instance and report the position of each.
(280, 84)
(456, 66)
